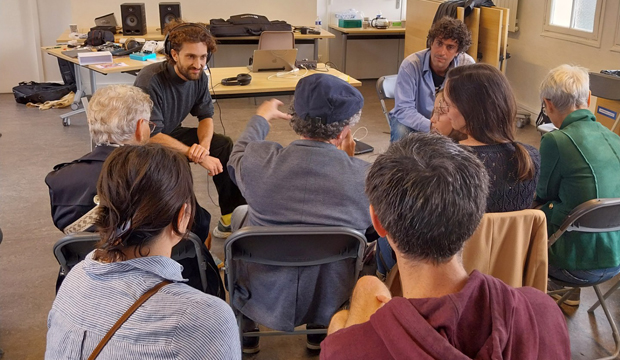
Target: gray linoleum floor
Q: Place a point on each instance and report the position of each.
(33, 141)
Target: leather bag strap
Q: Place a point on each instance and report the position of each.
(126, 316)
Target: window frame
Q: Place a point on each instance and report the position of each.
(616, 45)
(583, 37)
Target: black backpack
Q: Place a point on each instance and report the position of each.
(246, 25)
(98, 37)
(34, 92)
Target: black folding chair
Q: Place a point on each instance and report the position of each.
(291, 246)
(73, 248)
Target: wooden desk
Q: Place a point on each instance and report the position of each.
(154, 34)
(367, 53)
(263, 83)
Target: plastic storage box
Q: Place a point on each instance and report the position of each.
(350, 23)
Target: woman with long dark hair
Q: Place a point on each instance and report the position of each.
(480, 103)
(146, 207)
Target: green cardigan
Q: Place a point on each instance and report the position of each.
(579, 162)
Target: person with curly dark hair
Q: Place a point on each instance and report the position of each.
(423, 73)
(178, 87)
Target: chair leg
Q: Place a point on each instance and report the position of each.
(565, 296)
(609, 292)
(614, 328)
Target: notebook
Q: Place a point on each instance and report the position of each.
(273, 60)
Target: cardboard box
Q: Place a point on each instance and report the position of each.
(607, 112)
(92, 58)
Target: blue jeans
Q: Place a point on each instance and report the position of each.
(398, 130)
(583, 277)
(384, 256)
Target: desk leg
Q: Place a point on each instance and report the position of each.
(316, 49)
(93, 81)
(79, 93)
(344, 53)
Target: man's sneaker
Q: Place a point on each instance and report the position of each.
(313, 341)
(222, 231)
(250, 343)
(572, 300)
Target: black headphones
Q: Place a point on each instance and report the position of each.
(240, 79)
(168, 46)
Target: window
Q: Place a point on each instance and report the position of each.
(574, 20)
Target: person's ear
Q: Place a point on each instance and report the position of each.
(549, 106)
(589, 97)
(376, 223)
(183, 218)
(175, 55)
(140, 134)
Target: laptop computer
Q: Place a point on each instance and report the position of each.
(273, 60)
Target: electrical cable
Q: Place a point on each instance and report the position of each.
(358, 129)
(216, 102)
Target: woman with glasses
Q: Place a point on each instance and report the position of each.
(480, 103)
(117, 115)
(580, 162)
(146, 207)
(440, 123)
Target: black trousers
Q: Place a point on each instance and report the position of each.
(229, 195)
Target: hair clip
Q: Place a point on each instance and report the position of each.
(122, 229)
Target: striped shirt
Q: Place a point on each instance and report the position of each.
(178, 322)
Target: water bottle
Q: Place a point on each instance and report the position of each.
(317, 23)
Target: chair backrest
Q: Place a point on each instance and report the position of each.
(276, 40)
(596, 215)
(385, 90)
(511, 246)
(73, 248)
(292, 246)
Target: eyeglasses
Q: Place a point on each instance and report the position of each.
(442, 109)
(152, 125)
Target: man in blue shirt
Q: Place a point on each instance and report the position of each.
(422, 74)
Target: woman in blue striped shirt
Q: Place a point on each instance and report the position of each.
(146, 206)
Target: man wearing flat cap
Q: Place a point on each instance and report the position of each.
(312, 181)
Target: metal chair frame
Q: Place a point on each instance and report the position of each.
(595, 216)
(297, 246)
(385, 90)
(73, 248)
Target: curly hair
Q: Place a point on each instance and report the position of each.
(449, 28)
(313, 130)
(188, 34)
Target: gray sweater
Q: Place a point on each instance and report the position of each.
(306, 183)
(174, 98)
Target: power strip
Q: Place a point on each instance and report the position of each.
(305, 63)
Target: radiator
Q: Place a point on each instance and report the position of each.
(513, 22)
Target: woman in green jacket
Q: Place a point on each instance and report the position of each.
(580, 161)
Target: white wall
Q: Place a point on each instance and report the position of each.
(295, 12)
(54, 19)
(534, 55)
(20, 56)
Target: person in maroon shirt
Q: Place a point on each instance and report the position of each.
(427, 196)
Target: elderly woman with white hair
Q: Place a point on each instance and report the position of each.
(580, 161)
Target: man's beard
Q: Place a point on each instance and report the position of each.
(186, 72)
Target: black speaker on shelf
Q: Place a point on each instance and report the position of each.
(133, 16)
(168, 12)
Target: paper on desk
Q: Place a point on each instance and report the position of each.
(112, 65)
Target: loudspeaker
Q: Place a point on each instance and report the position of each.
(168, 11)
(240, 79)
(133, 17)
